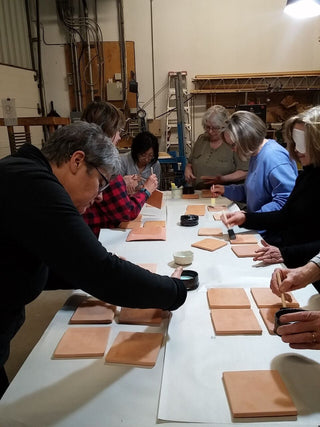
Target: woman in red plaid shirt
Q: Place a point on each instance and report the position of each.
(116, 205)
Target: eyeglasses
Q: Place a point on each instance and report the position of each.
(146, 156)
(212, 128)
(104, 185)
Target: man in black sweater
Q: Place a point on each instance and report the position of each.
(44, 241)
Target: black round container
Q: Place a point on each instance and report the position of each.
(278, 314)
(189, 220)
(191, 279)
(188, 189)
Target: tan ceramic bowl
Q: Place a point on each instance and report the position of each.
(183, 257)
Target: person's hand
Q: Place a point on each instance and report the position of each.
(177, 273)
(188, 174)
(230, 219)
(303, 332)
(151, 183)
(295, 278)
(217, 190)
(211, 179)
(268, 254)
(132, 182)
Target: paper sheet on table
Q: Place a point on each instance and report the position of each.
(195, 360)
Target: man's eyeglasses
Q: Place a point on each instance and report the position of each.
(105, 183)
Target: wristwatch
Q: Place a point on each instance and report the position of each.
(144, 190)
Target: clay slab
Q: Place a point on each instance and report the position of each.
(199, 210)
(257, 394)
(190, 196)
(264, 297)
(206, 194)
(245, 251)
(93, 311)
(154, 223)
(267, 315)
(86, 341)
(244, 239)
(141, 316)
(235, 321)
(228, 298)
(135, 348)
(209, 244)
(148, 233)
(211, 231)
(155, 199)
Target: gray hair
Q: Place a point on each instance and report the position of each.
(216, 116)
(247, 131)
(87, 137)
(311, 120)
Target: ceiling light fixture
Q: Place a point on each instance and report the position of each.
(301, 9)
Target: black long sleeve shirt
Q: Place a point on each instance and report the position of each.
(295, 228)
(45, 243)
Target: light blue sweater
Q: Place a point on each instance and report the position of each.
(270, 180)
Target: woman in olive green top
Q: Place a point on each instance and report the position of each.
(211, 160)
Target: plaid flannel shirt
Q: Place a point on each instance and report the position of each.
(117, 206)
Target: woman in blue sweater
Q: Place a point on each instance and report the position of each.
(271, 174)
(292, 234)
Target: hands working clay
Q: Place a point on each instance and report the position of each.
(135, 183)
(303, 328)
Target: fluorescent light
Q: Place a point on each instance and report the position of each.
(301, 9)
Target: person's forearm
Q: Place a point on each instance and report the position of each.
(238, 175)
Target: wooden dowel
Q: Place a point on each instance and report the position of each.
(284, 303)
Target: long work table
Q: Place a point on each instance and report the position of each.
(185, 386)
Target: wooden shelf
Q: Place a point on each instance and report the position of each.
(256, 82)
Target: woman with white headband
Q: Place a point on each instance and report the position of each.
(292, 233)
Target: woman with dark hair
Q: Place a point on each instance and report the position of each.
(116, 205)
(142, 160)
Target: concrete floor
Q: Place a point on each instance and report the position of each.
(38, 316)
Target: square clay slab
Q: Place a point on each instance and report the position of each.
(244, 239)
(245, 251)
(190, 196)
(209, 244)
(87, 341)
(264, 297)
(154, 223)
(258, 394)
(147, 233)
(135, 348)
(267, 315)
(155, 199)
(228, 298)
(93, 311)
(199, 210)
(235, 321)
(141, 316)
(210, 231)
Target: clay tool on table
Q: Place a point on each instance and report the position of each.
(231, 233)
(284, 303)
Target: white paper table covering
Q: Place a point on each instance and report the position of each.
(86, 392)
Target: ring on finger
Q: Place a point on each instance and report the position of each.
(314, 337)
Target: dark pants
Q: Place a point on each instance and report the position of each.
(4, 383)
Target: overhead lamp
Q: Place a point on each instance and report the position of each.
(301, 9)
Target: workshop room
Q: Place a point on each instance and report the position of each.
(161, 157)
